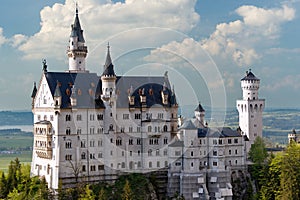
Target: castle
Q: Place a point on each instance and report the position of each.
(90, 128)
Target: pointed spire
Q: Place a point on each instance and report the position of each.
(76, 28)
(34, 91)
(57, 92)
(108, 67)
(199, 108)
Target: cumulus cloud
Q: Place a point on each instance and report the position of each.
(101, 20)
(240, 39)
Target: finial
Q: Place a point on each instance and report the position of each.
(76, 8)
(34, 84)
(108, 46)
(44, 65)
(250, 70)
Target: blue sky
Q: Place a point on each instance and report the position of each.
(205, 45)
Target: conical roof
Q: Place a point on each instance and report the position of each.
(76, 28)
(199, 108)
(34, 91)
(108, 66)
(249, 76)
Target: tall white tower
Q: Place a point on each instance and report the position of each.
(250, 109)
(77, 51)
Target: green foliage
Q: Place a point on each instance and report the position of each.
(127, 193)
(258, 152)
(87, 194)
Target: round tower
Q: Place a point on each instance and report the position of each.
(76, 51)
(250, 109)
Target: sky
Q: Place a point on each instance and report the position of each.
(206, 46)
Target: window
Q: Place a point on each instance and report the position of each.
(150, 164)
(177, 153)
(149, 128)
(78, 118)
(236, 151)
(220, 141)
(236, 141)
(83, 168)
(192, 153)
(200, 141)
(39, 117)
(130, 129)
(215, 163)
(139, 164)
(100, 143)
(83, 156)
(45, 117)
(160, 115)
(138, 129)
(165, 152)
(78, 131)
(229, 141)
(100, 155)
(123, 153)
(122, 129)
(130, 141)
(100, 130)
(137, 116)
(229, 152)
(83, 144)
(92, 143)
(130, 153)
(165, 140)
(123, 164)
(68, 145)
(178, 163)
(68, 117)
(111, 127)
(157, 152)
(149, 152)
(166, 163)
(157, 164)
(93, 168)
(92, 130)
(51, 117)
(92, 156)
(236, 162)
(68, 131)
(68, 157)
(165, 128)
(215, 142)
(100, 167)
(92, 117)
(215, 153)
(119, 141)
(148, 115)
(139, 152)
(192, 164)
(125, 116)
(100, 117)
(138, 141)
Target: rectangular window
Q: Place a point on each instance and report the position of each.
(138, 129)
(130, 129)
(100, 167)
(215, 163)
(93, 168)
(220, 141)
(138, 141)
(100, 117)
(83, 168)
(78, 131)
(160, 115)
(78, 117)
(137, 116)
(215, 153)
(236, 141)
(92, 117)
(130, 142)
(215, 141)
(229, 141)
(125, 116)
(148, 115)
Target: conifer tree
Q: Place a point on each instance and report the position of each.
(127, 193)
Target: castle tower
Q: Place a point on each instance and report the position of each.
(250, 109)
(77, 51)
(108, 96)
(200, 113)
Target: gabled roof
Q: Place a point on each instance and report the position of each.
(249, 76)
(199, 108)
(188, 125)
(177, 143)
(76, 29)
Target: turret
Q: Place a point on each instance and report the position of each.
(108, 78)
(200, 113)
(76, 51)
(250, 86)
(57, 96)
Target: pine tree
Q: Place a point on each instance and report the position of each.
(3, 186)
(127, 193)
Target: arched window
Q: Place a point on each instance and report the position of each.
(165, 140)
(165, 128)
(68, 117)
(68, 131)
(131, 165)
(150, 164)
(119, 141)
(111, 127)
(149, 128)
(68, 145)
(149, 152)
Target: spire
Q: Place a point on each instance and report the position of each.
(34, 91)
(108, 67)
(199, 108)
(57, 92)
(76, 28)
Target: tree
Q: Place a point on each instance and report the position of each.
(87, 194)
(290, 173)
(102, 195)
(127, 193)
(258, 152)
(3, 186)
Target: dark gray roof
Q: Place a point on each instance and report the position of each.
(199, 108)
(249, 76)
(76, 29)
(151, 87)
(34, 91)
(218, 132)
(43, 122)
(177, 143)
(108, 66)
(88, 88)
(188, 125)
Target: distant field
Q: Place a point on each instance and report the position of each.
(5, 159)
(15, 142)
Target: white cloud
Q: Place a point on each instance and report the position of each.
(17, 40)
(240, 39)
(2, 38)
(101, 20)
